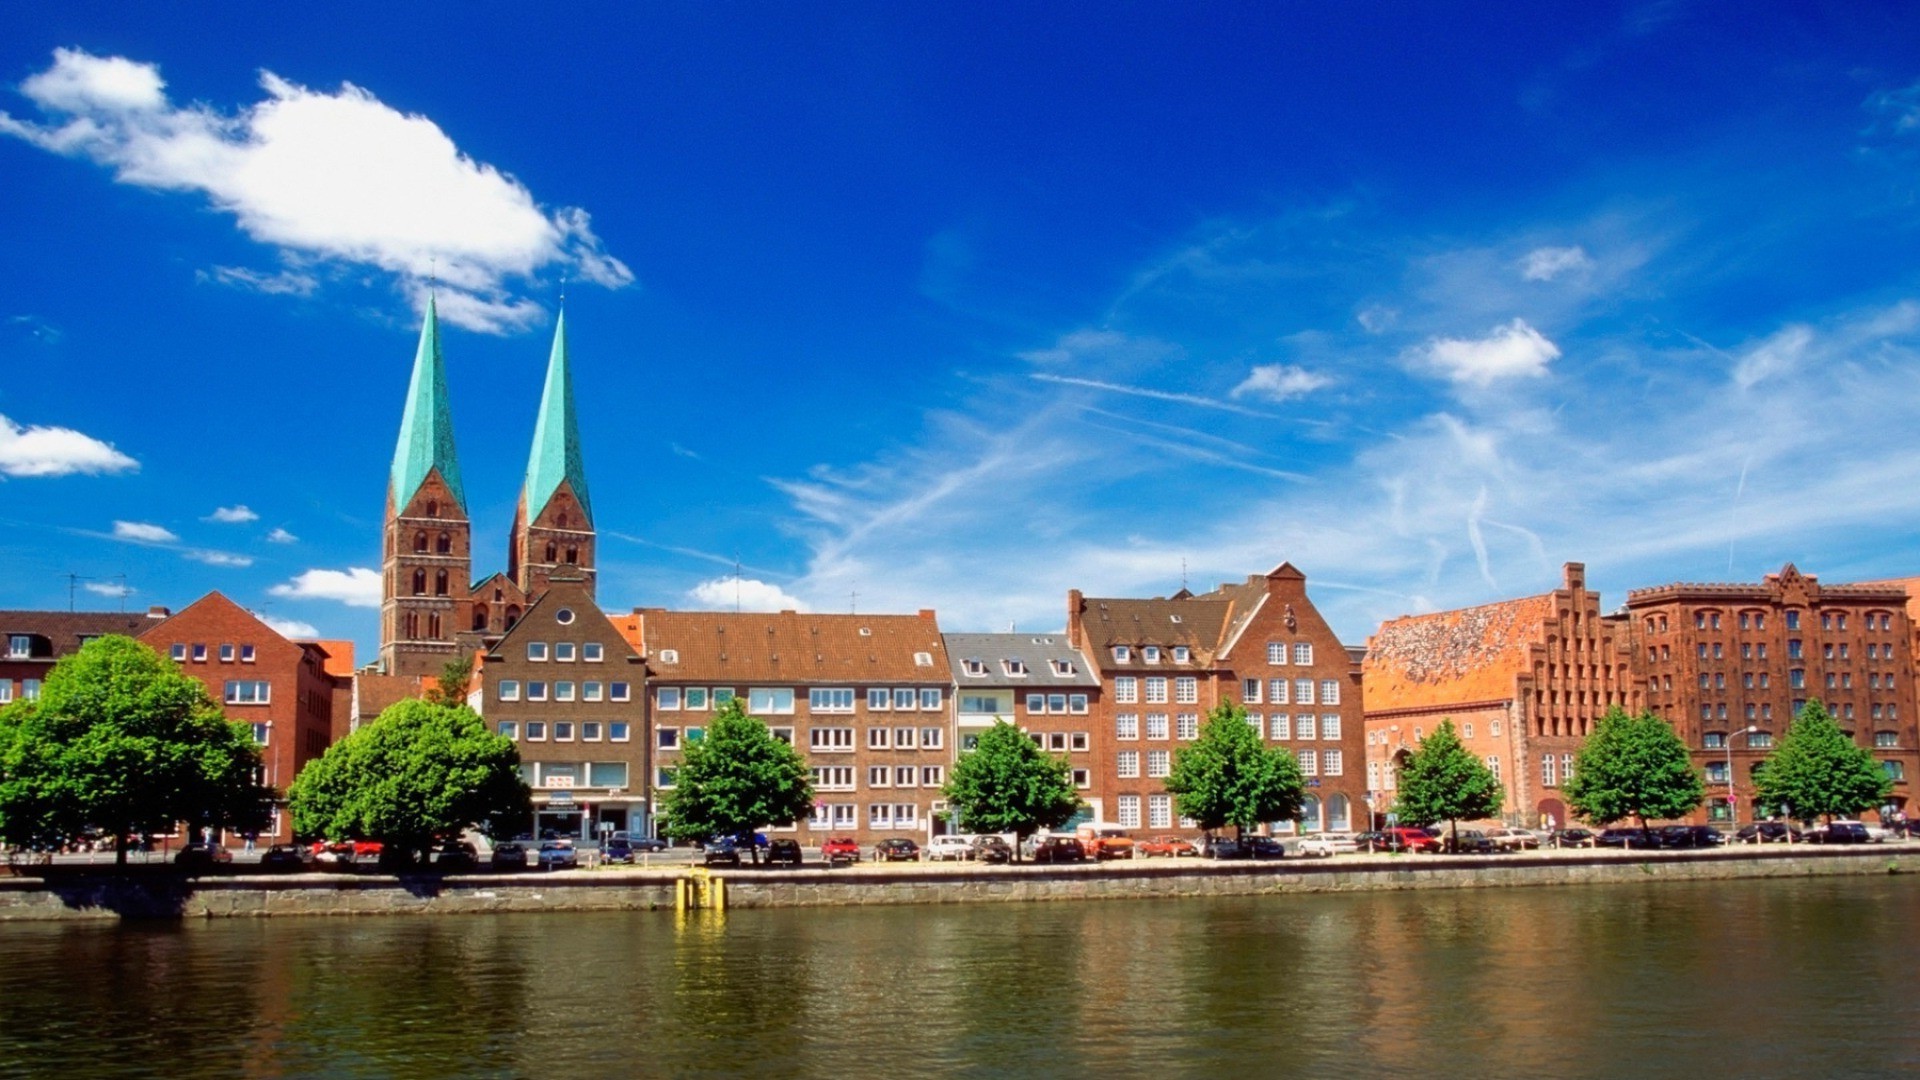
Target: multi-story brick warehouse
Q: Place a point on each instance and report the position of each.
(1037, 681)
(1522, 680)
(564, 683)
(1731, 664)
(282, 690)
(1164, 663)
(863, 697)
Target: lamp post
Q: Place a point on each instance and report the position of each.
(1733, 801)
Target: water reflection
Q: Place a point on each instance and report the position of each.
(1749, 978)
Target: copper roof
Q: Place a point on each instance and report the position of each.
(788, 647)
(1454, 657)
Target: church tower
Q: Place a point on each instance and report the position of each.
(426, 551)
(553, 525)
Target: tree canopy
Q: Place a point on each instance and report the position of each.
(1633, 767)
(122, 742)
(1443, 781)
(419, 772)
(1819, 772)
(1007, 784)
(451, 687)
(735, 779)
(1229, 776)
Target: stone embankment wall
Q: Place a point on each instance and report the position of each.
(92, 896)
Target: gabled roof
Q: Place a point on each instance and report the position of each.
(1197, 622)
(541, 616)
(337, 657)
(426, 425)
(1001, 654)
(1454, 657)
(556, 457)
(788, 648)
(63, 631)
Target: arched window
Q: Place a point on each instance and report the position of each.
(419, 583)
(553, 552)
(420, 542)
(513, 615)
(1310, 814)
(573, 556)
(433, 626)
(439, 583)
(498, 596)
(563, 521)
(410, 626)
(1339, 814)
(433, 508)
(479, 616)
(444, 545)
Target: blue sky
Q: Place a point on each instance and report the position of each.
(961, 307)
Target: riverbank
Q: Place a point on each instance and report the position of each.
(85, 894)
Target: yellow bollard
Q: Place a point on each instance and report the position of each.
(680, 895)
(719, 894)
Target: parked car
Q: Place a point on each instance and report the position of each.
(558, 855)
(1407, 839)
(784, 852)
(457, 855)
(1470, 842)
(1767, 832)
(337, 853)
(1264, 847)
(722, 851)
(1058, 849)
(1103, 841)
(202, 856)
(647, 843)
(1224, 847)
(1690, 836)
(1575, 838)
(896, 849)
(950, 848)
(509, 856)
(286, 858)
(617, 849)
(1839, 832)
(1508, 838)
(366, 849)
(1172, 847)
(1625, 838)
(1878, 834)
(840, 850)
(990, 849)
(1327, 845)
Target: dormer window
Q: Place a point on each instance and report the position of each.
(1122, 654)
(1015, 668)
(974, 668)
(923, 659)
(669, 656)
(1063, 669)
(1150, 654)
(1181, 654)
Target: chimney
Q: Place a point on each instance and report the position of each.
(158, 612)
(1074, 603)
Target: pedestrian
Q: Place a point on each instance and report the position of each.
(251, 837)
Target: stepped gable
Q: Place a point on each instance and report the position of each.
(1465, 655)
(788, 647)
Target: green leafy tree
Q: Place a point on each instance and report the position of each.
(1633, 767)
(1443, 781)
(1007, 784)
(1819, 772)
(122, 742)
(454, 676)
(1229, 776)
(418, 773)
(735, 779)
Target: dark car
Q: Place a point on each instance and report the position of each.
(1690, 836)
(1626, 838)
(1264, 847)
(1221, 847)
(617, 849)
(287, 858)
(509, 856)
(989, 849)
(1470, 842)
(1840, 832)
(896, 849)
(1575, 838)
(457, 855)
(784, 852)
(721, 852)
(202, 856)
(1768, 832)
(648, 843)
(1058, 849)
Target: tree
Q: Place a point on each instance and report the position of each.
(1228, 776)
(418, 773)
(736, 779)
(451, 688)
(1633, 766)
(1819, 772)
(1007, 784)
(1443, 781)
(121, 742)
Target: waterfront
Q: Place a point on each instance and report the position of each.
(1752, 978)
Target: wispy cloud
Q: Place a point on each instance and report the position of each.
(37, 328)
(279, 283)
(337, 176)
(744, 594)
(281, 536)
(111, 589)
(355, 587)
(1148, 392)
(217, 558)
(1515, 350)
(1547, 263)
(232, 515)
(143, 533)
(1280, 382)
(56, 451)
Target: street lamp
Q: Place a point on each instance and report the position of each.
(1733, 802)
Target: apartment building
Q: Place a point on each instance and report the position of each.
(865, 699)
(1037, 681)
(34, 641)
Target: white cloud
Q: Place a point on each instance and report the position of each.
(56, 451)
(1779, 354)
(1279, 382)
(284, 283)
(233, 515)
(281, 536)
(1547, 263)
(725, 594)
(217, 558)
(289, 628)
(355, 586)
(108, 588)
(335, 176)
(143, 533)
(1515, 350)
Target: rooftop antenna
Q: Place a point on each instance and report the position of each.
(736, 555)
(1183, 572)
(853, 602)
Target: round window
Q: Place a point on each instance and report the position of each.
(563, 616)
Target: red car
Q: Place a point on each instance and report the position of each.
(1170, 846)
(1405, 839)
(839, 850)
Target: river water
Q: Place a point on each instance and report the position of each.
(1750, 979)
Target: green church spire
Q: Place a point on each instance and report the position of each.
(556, 436)
(426, 427)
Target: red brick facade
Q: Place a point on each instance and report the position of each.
(426, 559)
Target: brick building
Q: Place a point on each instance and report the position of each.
(564, 684)
(1038, 681)
(282, 690)
(31, 642)
(863, 697)
(1522, 680)
(1729, 665)
(1163, 663)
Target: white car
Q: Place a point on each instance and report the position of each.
(948, 848)
(1327, 845)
